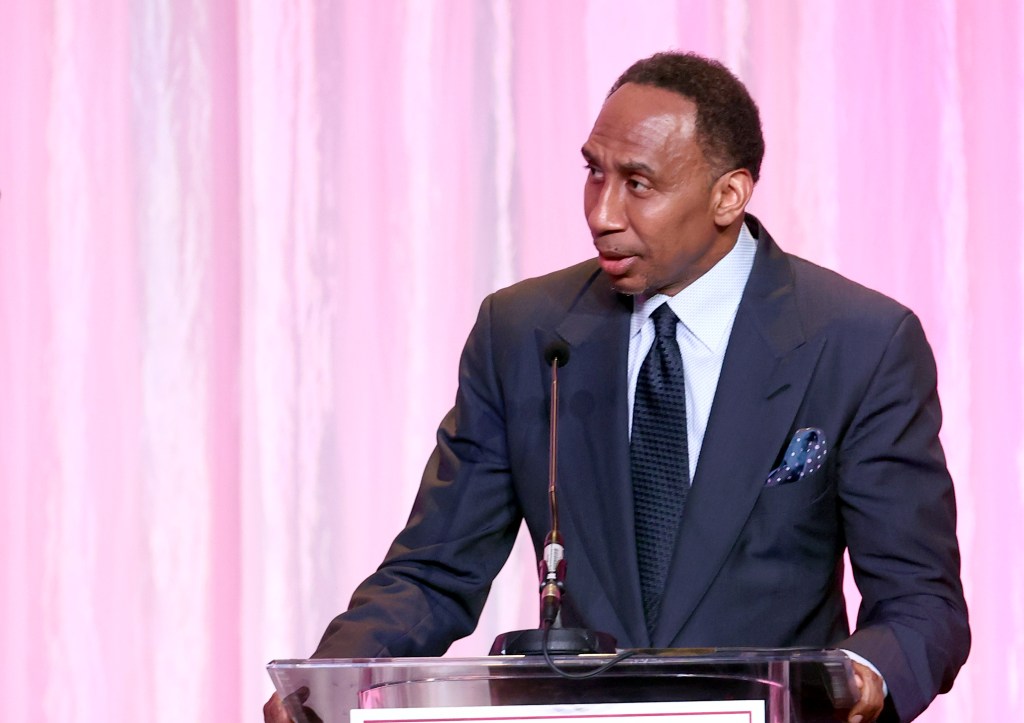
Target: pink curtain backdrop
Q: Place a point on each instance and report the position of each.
(242, 242)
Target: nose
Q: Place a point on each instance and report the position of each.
(603, 203)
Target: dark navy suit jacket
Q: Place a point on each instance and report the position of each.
(754, 565)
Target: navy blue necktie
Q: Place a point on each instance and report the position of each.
(659, 458)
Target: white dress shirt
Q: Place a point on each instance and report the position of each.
(707, 310)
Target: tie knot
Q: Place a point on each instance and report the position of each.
(664, 322)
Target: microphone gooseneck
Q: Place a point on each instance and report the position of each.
(552, 564)
(549, 638)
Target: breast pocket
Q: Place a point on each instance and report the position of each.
(812, 490)
(798, 522)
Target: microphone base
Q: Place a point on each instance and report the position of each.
(561, 641)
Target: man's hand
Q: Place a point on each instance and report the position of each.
(869, 707)
(274, 711)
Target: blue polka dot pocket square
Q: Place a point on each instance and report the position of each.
(805, 455)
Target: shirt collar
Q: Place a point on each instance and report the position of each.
(707, 307)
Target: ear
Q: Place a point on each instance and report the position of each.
(730, 195)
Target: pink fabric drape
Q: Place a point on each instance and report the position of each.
(241, 244)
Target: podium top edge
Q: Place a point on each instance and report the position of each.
(640, 657)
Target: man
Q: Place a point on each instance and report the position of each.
(773, 352)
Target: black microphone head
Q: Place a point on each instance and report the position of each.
(557, 351)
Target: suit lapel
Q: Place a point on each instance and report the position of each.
(764, 377)
(594, 478)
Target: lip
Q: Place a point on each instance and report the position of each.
(615, 264)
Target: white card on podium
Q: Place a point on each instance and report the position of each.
(703, 711)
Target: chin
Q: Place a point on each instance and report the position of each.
(627, 284)
(625, 288)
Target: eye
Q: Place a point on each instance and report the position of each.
(638, 184)
(593, 171)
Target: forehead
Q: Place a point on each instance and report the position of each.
(644, 121)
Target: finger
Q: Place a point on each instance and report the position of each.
(274, 711)
(294, 703)
(311, 716)
(869, 706)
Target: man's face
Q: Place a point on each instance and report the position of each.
(649, 196)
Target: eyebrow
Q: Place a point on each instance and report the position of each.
(627, 167)
(637, 167)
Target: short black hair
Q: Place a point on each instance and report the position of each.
(728, 123)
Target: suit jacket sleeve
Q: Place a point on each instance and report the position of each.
(899, 517)
(431, 587)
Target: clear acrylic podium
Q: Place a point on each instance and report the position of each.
(796, 685)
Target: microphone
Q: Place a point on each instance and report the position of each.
(548, 638)
(557, 352)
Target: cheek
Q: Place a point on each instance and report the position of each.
(678, 234)
(658, 238)
(589, 200)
